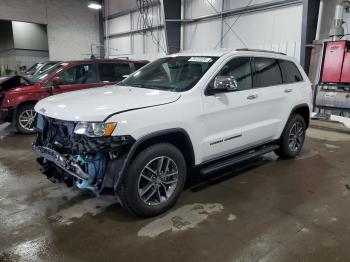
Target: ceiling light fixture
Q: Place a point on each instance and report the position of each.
(94, 5)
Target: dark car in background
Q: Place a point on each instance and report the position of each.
(19, 94)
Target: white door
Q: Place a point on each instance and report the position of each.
(247, 117)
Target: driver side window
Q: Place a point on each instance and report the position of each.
(79, 74)
(240, 69)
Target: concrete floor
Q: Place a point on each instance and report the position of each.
(268, 210)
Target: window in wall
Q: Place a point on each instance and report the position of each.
(267, 72)
(113, 72)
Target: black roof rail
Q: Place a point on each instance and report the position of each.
(260, 50)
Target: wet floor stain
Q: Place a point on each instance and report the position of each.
(306, 154)
(5, 130)
(261, 209)
(327, 135)
(92, 206)
(183, 218)
(231, 217)
(330, 146)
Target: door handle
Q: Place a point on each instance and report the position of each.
(288, 90)
(252, 96)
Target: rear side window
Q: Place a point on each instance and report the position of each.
(138, 66)
(113, 72)
(267, 72)
(290, 72)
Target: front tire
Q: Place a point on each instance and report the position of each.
(292, 138)
(25, 119)
(154, 180)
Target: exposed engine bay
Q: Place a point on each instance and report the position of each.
(87, 163)
(15, 81)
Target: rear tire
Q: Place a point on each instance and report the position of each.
(292, 138)
(154, 180)
(25, 119)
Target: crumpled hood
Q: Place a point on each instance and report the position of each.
(14, 81)
(96, 104)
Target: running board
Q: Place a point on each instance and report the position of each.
(237, 159)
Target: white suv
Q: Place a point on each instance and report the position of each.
(184, 112)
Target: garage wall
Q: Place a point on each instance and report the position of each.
(29, 36)
(277, 29)
(123, 40)
(72, 29)
(22, 44)
(30, 43)
(71, 26)
(7, 54)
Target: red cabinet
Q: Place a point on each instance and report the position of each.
(333, 61)
(345, 74)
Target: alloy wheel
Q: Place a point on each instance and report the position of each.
(296, 136)
(26, 119)
(158, 180)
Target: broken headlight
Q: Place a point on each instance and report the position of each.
(97, 129)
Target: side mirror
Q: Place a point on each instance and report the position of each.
(57, 81)
(225, 84)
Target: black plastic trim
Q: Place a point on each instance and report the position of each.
(138, 142)
(238, 158)
(300, 106)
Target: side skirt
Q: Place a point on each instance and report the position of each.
(229, 161)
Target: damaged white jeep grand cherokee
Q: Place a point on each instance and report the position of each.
(143, 136)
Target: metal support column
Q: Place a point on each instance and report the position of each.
(172, 10)
(309, 29)
(222, 24)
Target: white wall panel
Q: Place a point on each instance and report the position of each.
(138, 44)
(197, 8)
(116, 6)
(119, 46)
(72, 29)
(233, 4)
(154, 18)
(154, 42)
(119, 25)
(278, 30)
(204, 35)
(141, 46)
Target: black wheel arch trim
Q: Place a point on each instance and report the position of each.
(135, 146)
(297, 107)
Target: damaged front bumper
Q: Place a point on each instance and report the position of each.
(88, 163)
(68, 165)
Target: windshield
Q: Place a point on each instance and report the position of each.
(33, 69)
(177, 74)
(37, 78)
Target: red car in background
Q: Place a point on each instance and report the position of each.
(19, 94)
